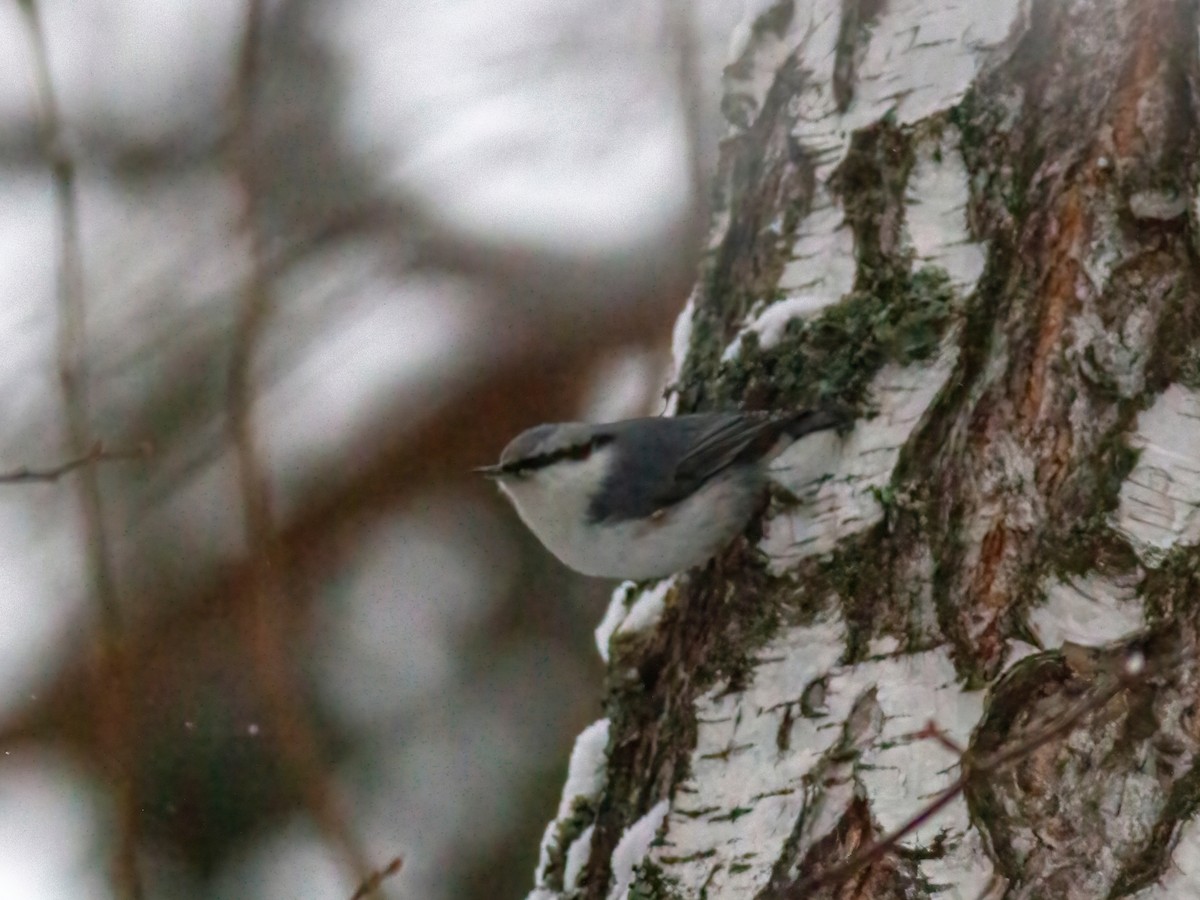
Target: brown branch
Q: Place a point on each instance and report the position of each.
(376, 879)
(98, 453)
(114, 712)
(291, 730)
(1111, 685)
(934, 731)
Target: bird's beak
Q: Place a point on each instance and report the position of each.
(489, 471)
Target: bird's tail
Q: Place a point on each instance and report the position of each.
(796, 425)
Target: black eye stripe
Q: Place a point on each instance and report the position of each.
(578, 452)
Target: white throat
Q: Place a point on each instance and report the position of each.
(553, 503)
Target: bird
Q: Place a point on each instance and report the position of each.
(649, 497)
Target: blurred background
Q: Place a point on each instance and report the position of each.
(334, 253)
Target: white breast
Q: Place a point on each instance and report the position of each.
(554, 503)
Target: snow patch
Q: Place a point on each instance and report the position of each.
(585, 772)
(681, 339)
(577, 856)
(614, 615)
(755, 752)
(623, 618)
(634, 847)
(648, 608)
(838, 479)
(1089, 610)
(1159, 504)
(681, 334)
(586, 778)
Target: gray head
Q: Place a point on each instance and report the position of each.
(545, 445)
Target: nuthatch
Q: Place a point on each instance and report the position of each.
(644, 498)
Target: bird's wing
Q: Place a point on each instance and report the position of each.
(723, 443)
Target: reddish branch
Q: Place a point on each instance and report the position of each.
(98, 453)
(291, 729)
(376, 879)
(1109, 685)
(113, 709)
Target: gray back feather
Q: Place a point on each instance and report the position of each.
(663, 465)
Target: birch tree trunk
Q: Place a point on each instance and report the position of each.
(976, 224)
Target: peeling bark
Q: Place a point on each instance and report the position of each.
(977, 226)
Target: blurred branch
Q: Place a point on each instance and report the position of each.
(397, 458)
(377, 878)
(113, 151)
(114, 709)
(292, 732)
(1131, 671)
(54, 473)
(681, 27)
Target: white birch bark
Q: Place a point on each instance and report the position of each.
(975, 223)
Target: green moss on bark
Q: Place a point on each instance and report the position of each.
(834, 356)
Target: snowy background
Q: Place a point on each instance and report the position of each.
(485, 215)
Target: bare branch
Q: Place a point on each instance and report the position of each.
(377, 878)
(1109, 686)
(935, 731)
(291, 730)
(98, 453)
(114, 714)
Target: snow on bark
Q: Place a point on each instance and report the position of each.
(633, 848)
(585, 780)
(630, 612)
(838, 480)
(681, 337)
(1160, 500)
(577, 857)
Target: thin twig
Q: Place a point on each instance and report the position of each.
(114, 714)
(98, 453)
(934, 731)
(971, 768)
(292, 731)
(376, 879)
